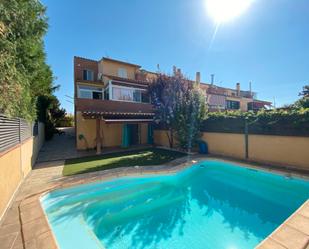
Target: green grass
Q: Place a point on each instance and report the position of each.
(142, 157)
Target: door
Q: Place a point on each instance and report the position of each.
(134, 134)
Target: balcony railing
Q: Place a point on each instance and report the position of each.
(98, 105)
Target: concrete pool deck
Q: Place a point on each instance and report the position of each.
(25, 226)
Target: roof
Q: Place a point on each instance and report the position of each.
(262, 102)
(86, 59)
(122, 62)
(203, 85)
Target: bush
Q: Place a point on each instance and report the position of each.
(66, 121)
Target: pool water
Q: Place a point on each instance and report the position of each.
(212, 205)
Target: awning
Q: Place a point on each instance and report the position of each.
(216, 100)
(118, 117)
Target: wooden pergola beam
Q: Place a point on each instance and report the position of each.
(98, 135)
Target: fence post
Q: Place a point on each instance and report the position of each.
(246, 138)
(19, 130)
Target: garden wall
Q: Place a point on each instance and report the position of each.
(15, 164)
(292, 151)
(282, 150)
(225, 144)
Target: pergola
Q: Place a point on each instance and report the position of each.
(115, 117)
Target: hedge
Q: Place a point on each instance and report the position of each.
(275, 122)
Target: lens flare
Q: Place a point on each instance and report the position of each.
(226, 10)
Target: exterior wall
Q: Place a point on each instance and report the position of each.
(15, 164)
(87, 128)
(160, 138)
(244, 104)
(111, 134)
(26, 156)
(278, 150)
(38, 142)
(226, 144)
(10, 177)
(111, 68)
(80, 64)
(283, 150)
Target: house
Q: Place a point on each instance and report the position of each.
(112, 105)
(113, 108)
(221, 98)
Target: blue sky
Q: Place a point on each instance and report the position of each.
(268, 44)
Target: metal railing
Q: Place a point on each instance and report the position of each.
(14, 131)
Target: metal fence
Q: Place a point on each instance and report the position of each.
(14, 131)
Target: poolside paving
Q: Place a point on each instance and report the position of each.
(25, 225)
(62, 147)
(292, 234)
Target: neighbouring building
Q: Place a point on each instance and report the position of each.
(112, 105)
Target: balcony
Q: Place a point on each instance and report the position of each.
(112, 106)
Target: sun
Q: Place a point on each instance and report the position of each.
(226, 10)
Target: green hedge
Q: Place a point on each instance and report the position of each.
(275, 122)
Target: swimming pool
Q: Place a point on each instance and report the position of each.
(212, 204)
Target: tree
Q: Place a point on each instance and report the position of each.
(190, 113)
(180, 107)
(50, 113)
(24, 74)
(166, 91)
(304, 101)
(305, 92)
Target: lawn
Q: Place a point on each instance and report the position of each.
(144, 157)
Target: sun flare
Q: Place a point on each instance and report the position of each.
(226, 10)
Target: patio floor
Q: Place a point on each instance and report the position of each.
(62, 147)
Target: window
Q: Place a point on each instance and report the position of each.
(145, 97)
(106, 93)
(130, 94)
(88, 92)
(234, 105)
(122, 94)
(122, 72)
(136, 95)
(87, 74)
(250, 106)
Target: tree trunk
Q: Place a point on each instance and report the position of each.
(170, 137)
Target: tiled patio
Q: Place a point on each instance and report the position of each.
(61, 147)
(24, 224)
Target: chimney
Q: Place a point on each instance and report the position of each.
(198, 77)
(174, 70)
(158, 67)
(238, 89)
(212, 76)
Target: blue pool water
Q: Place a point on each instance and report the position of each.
(212, 205)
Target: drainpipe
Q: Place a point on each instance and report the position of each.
(198, 78)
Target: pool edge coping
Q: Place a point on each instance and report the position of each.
(168, 169)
